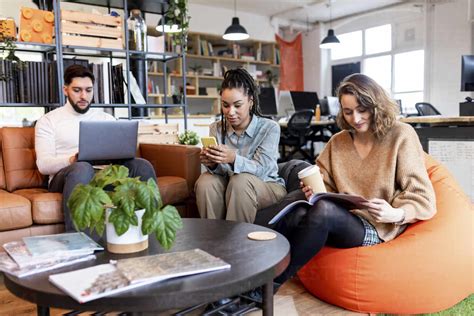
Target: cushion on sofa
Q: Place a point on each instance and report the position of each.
(14, 211)
(46, 207)
(19, 159)
(173, 190)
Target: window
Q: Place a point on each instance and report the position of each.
(351, 46)
(400, 73)
(408, 74)
(409, 78)
(378, 39)
(380, 69)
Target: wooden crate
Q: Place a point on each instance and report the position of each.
(158, 133)
(36, 26)
(92, 30)
(7, 29)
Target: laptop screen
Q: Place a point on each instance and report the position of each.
(107, 140)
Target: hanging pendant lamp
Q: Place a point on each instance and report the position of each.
(235, 32)
(330, 41)
(167, 28)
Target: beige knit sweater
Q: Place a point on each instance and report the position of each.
(394, 171)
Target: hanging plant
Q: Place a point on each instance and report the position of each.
(177, 14)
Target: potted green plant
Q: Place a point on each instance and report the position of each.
(188, 138)
(132, 207)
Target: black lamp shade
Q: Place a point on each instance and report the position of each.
(330, 40)
(235, 32)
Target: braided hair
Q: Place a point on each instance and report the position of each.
(239, 78)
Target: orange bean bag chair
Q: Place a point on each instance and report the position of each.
(426, 269)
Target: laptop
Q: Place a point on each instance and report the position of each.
(102, 141)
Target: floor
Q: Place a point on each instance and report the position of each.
(291, 299)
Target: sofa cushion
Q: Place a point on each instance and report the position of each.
(15, 211)
(172, 189)
(19, 159)
(46, 207)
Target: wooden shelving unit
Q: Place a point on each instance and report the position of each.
(208, 57)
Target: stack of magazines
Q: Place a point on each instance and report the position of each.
(42, 253)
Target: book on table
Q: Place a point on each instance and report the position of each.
(106, 279)
(349, 200)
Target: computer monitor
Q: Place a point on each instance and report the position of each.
(268, 101)
(467, 73)
(285, 104)
(304, 100)
(333, 106)
(324, 106)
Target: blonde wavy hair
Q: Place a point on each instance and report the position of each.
(371, 96)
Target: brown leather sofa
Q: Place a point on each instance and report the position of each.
(27, 208)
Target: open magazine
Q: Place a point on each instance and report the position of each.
(106, 279)
(353, 201)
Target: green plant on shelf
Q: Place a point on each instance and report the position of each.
(188, 138)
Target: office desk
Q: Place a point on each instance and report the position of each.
(323, 123)
(437, 120)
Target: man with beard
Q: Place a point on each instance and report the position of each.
(57, 139)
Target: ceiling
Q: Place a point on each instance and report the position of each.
(304, 11)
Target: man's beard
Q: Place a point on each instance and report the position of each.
(77, 108)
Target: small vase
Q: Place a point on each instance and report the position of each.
(132, 241)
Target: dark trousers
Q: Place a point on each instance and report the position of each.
(309, 229)
(82, 172)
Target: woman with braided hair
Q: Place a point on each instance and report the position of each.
(242, 171)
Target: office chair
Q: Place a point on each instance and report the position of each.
(425, 109)
(296, 135)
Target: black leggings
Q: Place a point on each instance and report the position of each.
(308, 230)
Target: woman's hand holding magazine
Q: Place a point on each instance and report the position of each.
(351, 201)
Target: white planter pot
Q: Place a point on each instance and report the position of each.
(132, 241)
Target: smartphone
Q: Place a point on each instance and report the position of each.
(208, 141)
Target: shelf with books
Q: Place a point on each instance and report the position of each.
(56, 53)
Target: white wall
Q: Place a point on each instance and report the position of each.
(451, 37)
(212, 20)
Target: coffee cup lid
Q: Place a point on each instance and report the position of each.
(307, 171)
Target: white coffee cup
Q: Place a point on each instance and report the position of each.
(311, 176)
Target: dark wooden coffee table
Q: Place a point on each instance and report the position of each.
(254, 263)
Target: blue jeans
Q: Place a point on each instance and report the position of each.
(82, 172)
